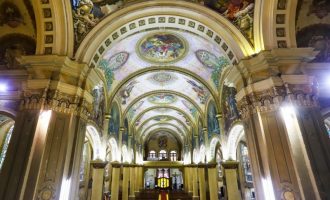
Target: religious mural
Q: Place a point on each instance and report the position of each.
(13, 46)
(112, 64)
(162, 98)
(134, 109)
(217, 64)
(10, 15)
(238, 12)
(202, 93)
(161, 48)
(87, 13)
(212, 121)
(229, 107)
(162, 142)
(190, 107)
(98, 106)
(125, 92)
(125, 133)
(320, 8)
(114, 121)
(318, 37)
(200, 133)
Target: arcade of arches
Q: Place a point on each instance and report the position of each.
(118, 99)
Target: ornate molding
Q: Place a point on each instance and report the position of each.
(56, 101)
(272, 98)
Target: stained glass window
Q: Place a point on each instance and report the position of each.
(5, 145)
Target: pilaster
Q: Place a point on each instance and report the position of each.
(115, 180)
(213, 180)
(231, 178)
(98, 175)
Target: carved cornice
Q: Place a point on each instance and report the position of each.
(271, 99)
(56, 101)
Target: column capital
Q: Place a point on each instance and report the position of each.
(107, 116)
(230, 164)
(116, 164)
(211, 165)
(99, 164)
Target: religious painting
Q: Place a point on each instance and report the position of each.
(134, 109)
(162, 78)
(162, 142)
(217, 64)
(200, 90)
(87, 13)
(238, 12)
(187, 121)
(98, 106)
(10, 15)
(200, 133)
(125, 133)
(162, 47)
(14, 46)
(162, 98)
(114, 121)
(212, 121)
(229, 107)
(190, 107)
(319, 8)
(126, 90)
(318, 37)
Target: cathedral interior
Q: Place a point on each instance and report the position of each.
(165, 99)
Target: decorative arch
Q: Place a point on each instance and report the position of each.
(214, 145)
(235, 135)
(170, 124)
(197, 18)
(179, 139)
(94, 137)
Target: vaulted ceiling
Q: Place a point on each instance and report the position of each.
(163, 79)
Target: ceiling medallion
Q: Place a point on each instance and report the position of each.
(162, 47)
(162, 98)
(162, 78)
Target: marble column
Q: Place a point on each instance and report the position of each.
(201, 180)
(285, 134)
(98, 176)
(231, 177)
(213, 180)
(190, 180)
(115, 180)
(44, 162)
(132, 178)
(137, 181)
(195, 182)
(125, 190)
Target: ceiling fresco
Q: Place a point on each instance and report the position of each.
(183, 84)
(161, 47)
(182, 129)
(153, 114)
(160, 126)
(144, 104)
(172, 51)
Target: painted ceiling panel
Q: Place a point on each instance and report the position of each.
(177, 82)
(173, 122)
(163, 117)
(164, 101)
(159, 48)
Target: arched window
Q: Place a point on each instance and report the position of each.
(162, 154)
(5, 145)
(245, 160)
(173, 156)
(152, 154)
